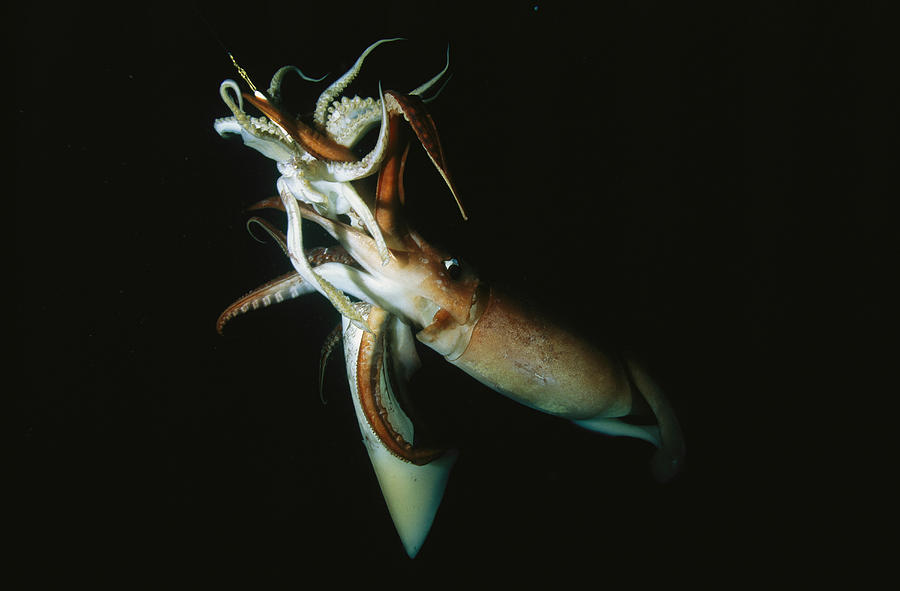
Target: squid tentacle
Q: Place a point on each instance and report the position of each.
(438, 92)
(297, 183)
(295, 180)
(413, 110)
(422, 88)
(331, 343)
(313, 142)
(274, 91)
(350, 119)
(270, 229)
(368, 164)
(236, 109)
(281, 289)
(368, 220)
(382, 411)
(295, 250)
(412, 478)
(286, 287)
(341, 83)
(336, 266)
(259, 127)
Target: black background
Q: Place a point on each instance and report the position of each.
(671, 179)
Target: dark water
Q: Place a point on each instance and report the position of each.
(644, 172)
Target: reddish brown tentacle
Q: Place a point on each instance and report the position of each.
(262, 296)
(318, 144)
(413, 109)
(389, 196)
(368, 380)
(273, 202)
(331, 254)
(285, 287)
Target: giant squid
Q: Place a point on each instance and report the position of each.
(392, 288)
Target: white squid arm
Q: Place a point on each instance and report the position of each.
(302, 266)
(258, 133)
(371, 162)
(346, 192)
(350, 119)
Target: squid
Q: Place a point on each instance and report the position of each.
(392, 289)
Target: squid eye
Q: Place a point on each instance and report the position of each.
(453, 268)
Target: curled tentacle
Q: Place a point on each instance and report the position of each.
(370, 163)
(278, 78)
(341, 83)
(351, 119)
(260, 133)
(421, 89)
(236, 109)
(270, 229)
(260, 128)
(375, 391)
(286, 287)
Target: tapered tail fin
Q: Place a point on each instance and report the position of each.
(669, 458)
(665, 435)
